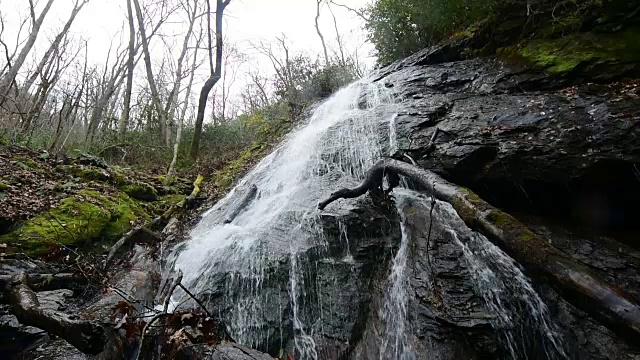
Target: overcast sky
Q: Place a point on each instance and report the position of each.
(245, 20)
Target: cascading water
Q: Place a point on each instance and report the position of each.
(520, 315)
(393, 313)
(335, 148)
(263, 266)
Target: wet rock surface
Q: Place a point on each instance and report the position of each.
(523, 143)
(339, 277)
(564, 157)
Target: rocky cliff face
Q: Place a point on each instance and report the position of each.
(560, 156)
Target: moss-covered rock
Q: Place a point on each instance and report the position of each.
(3, 187)
(84, 172)
(140, 191)
(26, 163)
(91, 174)
(84, 218)
(600, 56)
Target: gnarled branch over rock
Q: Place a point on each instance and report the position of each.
(574, 280)
(87, 336)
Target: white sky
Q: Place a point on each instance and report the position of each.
(101, 22)
(245, 20)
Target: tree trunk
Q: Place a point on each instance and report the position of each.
(210, 83)
(343, 61)
(10, 76)
(124, 117)
(171, 106)
(574, 280)
(176, 147)
(324, 45)
(149, 67)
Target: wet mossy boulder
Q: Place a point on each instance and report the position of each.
(78, 220)
(140, 191)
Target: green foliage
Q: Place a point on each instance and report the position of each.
(399, 28)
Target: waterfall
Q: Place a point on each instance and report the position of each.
(281, 224)
(263, 266)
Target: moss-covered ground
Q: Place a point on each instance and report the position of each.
(75, 201)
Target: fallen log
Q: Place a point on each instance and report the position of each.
(159, 221)
(87, 336)
(576, 282)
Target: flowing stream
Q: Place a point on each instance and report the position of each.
(267, 265)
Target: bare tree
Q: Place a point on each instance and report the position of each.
(212, 80)
(112, 79)
(124, 117)
(172, 167)
(55, 68)
(281, 63)
(231, 63)
(69, 116)
(155, 95)
(324, 45)
(77, 6)
(10, 76)
(361, 14)
(170, 107)
(342, 59)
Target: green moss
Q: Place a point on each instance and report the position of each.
(3, 187)
(510, 226)
(562, 26)
(466, 213)
(164, 203)
(77, 220)
(125, 211)
(566, 54)
(84, 172)
(27, 163)
(225, 177)
(140, 191)
(89, 174)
